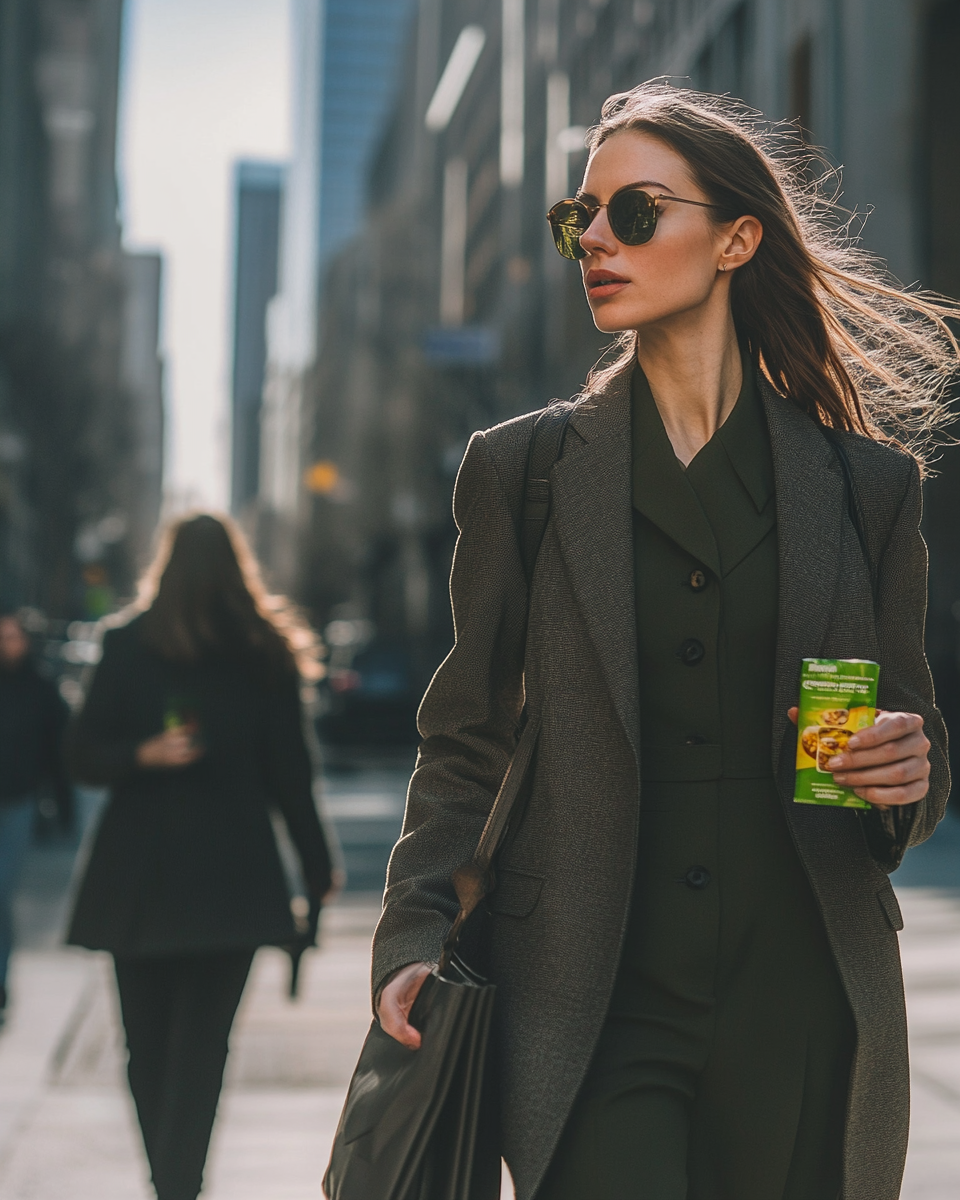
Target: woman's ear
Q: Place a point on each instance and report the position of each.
(740, 243)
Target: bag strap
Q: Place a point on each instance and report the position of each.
(855, 509)
(475, 879)
(546, 446)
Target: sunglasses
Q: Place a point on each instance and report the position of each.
(631, 211)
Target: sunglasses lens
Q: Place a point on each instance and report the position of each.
(633, 217)
(569, 220)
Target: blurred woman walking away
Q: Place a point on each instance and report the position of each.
(33, 718)
(194, 720)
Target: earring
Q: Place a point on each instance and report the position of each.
(723, 266)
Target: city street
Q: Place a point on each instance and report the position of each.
(66, 1123)
(284, 285)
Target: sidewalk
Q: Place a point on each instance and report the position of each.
(67, 1128)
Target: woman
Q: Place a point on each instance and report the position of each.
(33, 718)
(699, 987)
(194, 721)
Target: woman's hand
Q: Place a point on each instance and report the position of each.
(397, 999)
(885, 764)
(174, 747)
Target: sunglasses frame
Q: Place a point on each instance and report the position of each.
(592, 210)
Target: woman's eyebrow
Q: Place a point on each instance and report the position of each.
(641, 183)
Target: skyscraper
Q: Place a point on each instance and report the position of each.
(258, 192)
(361, 42)
(80, 374)
(346, 59)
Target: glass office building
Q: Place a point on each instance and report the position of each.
(362, 44)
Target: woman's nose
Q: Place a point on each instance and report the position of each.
(599, 236)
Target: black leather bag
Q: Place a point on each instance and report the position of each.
(422, 1124)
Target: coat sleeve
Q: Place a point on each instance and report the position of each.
(468, 722)
(98, 750)
(291, 772)
(905, 681)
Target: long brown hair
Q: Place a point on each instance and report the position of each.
(831, 330)
(203, 596)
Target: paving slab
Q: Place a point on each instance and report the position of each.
(68, 1130)
(47, 990)
(930, 947)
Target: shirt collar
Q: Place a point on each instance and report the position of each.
(746, 440)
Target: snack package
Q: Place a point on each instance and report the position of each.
(838, 696)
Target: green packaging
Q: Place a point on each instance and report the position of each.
(838, 696)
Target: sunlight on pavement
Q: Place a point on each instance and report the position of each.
(67, 1127)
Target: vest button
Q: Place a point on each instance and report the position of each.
(697, 580)
(691, 652)
(697, 878)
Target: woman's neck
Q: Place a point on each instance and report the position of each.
(695, 375)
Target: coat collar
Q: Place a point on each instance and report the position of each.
(592, 515)
(743, 439)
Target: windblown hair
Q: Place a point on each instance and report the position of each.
(203, 596)
(831, 330)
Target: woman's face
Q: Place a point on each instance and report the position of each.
(630, 287)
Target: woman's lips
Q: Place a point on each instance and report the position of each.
(601, 284)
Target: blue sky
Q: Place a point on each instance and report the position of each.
(204, 82)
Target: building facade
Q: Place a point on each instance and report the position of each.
(450, 309)
(258, 197)
(80, 377)
(345, 65)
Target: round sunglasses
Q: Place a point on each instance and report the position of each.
(631, 211)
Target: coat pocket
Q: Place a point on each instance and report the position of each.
(887, 899)
(516, 893)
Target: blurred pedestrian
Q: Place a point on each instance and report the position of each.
(194, 721)
(699, 983)
(33, 717)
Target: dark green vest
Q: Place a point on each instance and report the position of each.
(705, 562)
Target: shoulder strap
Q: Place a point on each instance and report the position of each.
(854, 507)
(475, 879)
(546, 446)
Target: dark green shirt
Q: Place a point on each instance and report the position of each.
(705, 562)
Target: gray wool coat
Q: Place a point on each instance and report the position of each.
(565, 879)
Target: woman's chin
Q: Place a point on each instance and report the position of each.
(608, 322)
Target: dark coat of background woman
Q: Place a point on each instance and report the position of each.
(194, 721)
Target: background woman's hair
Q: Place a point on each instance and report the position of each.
(833, 332)
(203, 595)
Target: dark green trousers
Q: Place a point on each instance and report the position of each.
(723, 1068)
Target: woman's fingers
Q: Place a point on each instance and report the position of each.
(888, 727)
(913, 746)
(396, 1001)
(898, 774)
(886, 764)
(179, 748)
(893, 797)
(172, 748)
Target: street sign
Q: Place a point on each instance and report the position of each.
(462, 346)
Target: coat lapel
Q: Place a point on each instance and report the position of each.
(810, 499)
(592, 516)
(591, 498)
